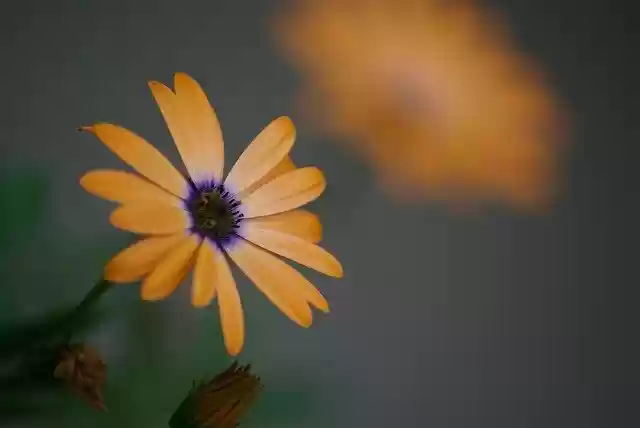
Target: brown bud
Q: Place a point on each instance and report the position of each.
(219, 403)
(82, 370)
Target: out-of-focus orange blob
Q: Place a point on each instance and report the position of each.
(432, 93)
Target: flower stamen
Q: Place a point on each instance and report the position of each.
(215, 212)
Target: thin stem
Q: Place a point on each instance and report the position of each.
(37, 361)
(25, 337)
(92, 297)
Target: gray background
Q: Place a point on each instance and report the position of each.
(494, 320)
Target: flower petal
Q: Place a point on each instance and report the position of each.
(140, 155)
(283, 167)
(293, 248)
(264, 153)
(202, 122)
(152, 219)
(231, 315)
(139, 259)
(170, 271)
(300, 223)
(204, 276)
(283, 285)
(286, 192)
(125, 187)
(179, 127)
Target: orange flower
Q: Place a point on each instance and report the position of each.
(431, 93)
(201, 220)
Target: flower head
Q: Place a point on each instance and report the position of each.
(201, 220)
(219, 403)
(82, 369)
(432, 93)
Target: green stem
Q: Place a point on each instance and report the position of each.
(91, 298)
(24, 337)
(35, 343)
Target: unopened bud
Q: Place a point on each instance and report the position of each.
(220, 402)
(84, 372)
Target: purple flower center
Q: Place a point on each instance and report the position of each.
(215, 212)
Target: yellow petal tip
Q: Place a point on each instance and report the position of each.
(320, 303)
(335, 268)
(112, 276)
(234, 350)
(114, 217)
(113, 273)
(152, 297)
(83, 180)
(200, 305)
(181, 75)
(286, 119)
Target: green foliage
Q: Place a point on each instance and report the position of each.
(22, 208)
(39, 294)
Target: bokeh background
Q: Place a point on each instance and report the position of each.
(496, 319)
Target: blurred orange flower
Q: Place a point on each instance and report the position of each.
(432, 93)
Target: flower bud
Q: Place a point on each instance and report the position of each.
(83, 371)
(220, 402)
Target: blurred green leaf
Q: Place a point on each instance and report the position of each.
(19, 335)
(46, 329)
(43, 273)
(16, 408)
(26, 382)
(23, 196)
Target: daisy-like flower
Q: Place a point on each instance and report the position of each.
(432, 93)
(201, 220)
